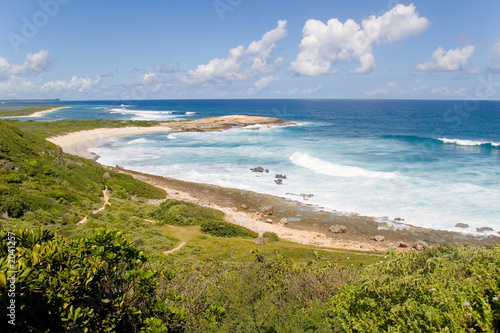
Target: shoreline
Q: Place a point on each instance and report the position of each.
(39, 114)
(246, 208)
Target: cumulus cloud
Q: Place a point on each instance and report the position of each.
(79, 84)
(325, 44)
(263, 82)
(495, 55)
(15, 86)
(241, 63)
(35, 63)
(451, 60)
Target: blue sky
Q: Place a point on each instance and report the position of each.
(79, 50)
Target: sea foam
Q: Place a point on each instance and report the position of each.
(319, 166)
(469, 142)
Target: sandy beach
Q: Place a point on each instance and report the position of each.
(43, 113)
(251, 210)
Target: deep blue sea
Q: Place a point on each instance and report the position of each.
(432, 163)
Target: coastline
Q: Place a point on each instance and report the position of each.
(246, 208)
(39, 114)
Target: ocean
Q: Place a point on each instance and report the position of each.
(428, 163)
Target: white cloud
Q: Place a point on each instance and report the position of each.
(263, 82)
(35, 63)
(241, 63)
(384, 90)
(79, 84)
(440, 91)
(15, 86)
(325, 44)
(451, 60)
(495, 55)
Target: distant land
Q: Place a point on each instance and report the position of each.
(4, 101)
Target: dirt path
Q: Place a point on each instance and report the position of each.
(105, 193)
(174, 249)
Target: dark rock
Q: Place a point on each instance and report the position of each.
(461, 225)
(267, 210)
(403, 245)
(278, 181)
(421, 245)
(398, 219)
(338, 229)
(267, 170)
(278, 175)
(484, 229)
(378, 238)
(257, 169)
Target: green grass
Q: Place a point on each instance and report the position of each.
(200, 247)
(25, 111)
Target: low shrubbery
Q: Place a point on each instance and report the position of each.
(212, 221)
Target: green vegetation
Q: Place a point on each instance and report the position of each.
(54, 128)
(24, 111)
(110, 273)
(212, 221)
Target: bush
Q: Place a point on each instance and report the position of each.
(212, 221)
(271, 236)
(445, 289)
(225, 229)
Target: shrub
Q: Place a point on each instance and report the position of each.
(212, 221)
(271, 236)
(445, 289)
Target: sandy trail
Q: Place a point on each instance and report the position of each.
(105, 193)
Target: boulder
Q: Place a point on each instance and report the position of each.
(278, 181)
(278, 175)
(267, 210)
(244, 206)
(421, 245)
(461, 225)
(378, 238)
(267, 170)
(484, 229)
(284, 221)
(338, 229)
(260, 241)
(269, 221)
(257, 169)
(106, 175)
(403, 245)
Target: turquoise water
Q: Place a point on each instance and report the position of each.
(431, 163)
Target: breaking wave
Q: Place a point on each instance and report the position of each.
(319, 166)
